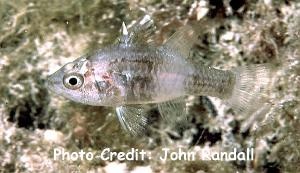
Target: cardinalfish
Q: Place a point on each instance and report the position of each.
(135, 72)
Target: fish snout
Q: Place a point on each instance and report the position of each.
(51, 82)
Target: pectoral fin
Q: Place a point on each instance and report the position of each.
(132, 118)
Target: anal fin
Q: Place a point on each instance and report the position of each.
(174, 112)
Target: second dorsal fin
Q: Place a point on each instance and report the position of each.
(182, 40)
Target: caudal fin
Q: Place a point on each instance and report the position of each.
(251, 87)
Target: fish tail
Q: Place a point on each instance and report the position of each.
(252, 84)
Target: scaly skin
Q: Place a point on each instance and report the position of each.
(122, 75)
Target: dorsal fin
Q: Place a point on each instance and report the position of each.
(124, 29)
(139, 33)
(182, 40)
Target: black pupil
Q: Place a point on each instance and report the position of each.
(73, 81)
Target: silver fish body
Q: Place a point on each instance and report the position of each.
(132, 73)
(141, 75)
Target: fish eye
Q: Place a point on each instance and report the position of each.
(73, 81)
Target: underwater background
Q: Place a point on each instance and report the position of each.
(39, 36)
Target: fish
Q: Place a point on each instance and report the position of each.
(135, 72)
